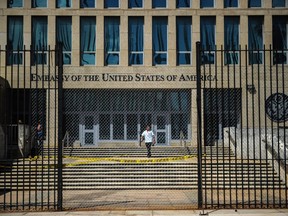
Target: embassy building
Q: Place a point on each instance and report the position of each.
(130, 63)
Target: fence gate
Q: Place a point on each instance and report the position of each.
(29, 99)
(242, 103)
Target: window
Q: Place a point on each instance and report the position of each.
(39, 3)
(179, 129)
(64, 36)
(39, 40)
(206, 3)
(255, 39)
(183, 3)
(63, 3)
(14, 40)
(183, 40)
(159, 4)
(136, 40)
(125, 113)
(279, 3)
(118, 126)
(87, 3)
(104, 127)
(254, 3)
(230, 3)
(111, 4)
(88, 40)
(231, 39)
(112, 40)
(160, 38)
(280, 39)
(135, 4)
(207, 35)
(15, 3)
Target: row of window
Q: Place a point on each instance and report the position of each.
(139, 3)
(160, 40)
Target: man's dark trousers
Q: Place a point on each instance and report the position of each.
(148, 146)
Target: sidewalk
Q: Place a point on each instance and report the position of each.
(244, 212)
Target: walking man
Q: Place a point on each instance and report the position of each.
(149, 138)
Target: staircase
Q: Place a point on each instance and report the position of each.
(157, 152)
(218, 172)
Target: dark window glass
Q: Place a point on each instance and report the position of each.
(278, 3)
(88, 40)
(135, 4)
(87, 3)
(111, 4)
(112, 40)
(280, 41)
(132, 123)
(118, 127)
(183, 4)
(159, 38)
(159, 4)
(231, 39)
(15, 40)
(230, 3)
(255, 39)
(254, 3)
(183, 26)
(206, 3)
(207, 35)
(136, 40)
(64, 36)
(63, 3)
(39, 3)
(104, 127)
(15, 3)
(39, 39)
(179, 126)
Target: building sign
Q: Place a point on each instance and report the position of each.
(277, 107)
(107, 77)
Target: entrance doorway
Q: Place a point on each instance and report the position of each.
(161, 129)
(88, 130)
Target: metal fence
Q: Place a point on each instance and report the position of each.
(28, 122)
(219, 144)
(245, 108)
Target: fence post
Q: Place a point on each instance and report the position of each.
(60, 122)
(199, 124)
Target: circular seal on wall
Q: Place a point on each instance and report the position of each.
(277, 107)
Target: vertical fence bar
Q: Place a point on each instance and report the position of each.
(218, 119)
(265, 131)
(30, 131)
(233, 112)
(260, 125)
(60, 123)
(55, 129)
(24, 128)
(228, 94)
(10, 139)
(278, 158)
(47, 56)
(211, 100)
(222, 119)
(241, 126)
(271, 127)
(199, 124)
(284, 130)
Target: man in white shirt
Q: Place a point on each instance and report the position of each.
(149, 138)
